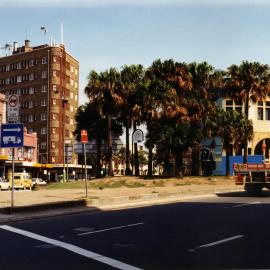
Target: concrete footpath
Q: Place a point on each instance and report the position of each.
(46, 203)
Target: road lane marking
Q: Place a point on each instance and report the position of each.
(111, 229)
(75, 249)
(243, 204)
(221, 241)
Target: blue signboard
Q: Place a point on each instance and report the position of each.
(12, 135)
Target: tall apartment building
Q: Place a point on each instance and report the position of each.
(46, 79)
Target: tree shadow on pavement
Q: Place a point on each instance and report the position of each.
(264, 193)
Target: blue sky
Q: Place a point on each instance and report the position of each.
(112, 33)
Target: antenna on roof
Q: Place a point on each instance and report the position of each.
(62, 33)
(7, 49)
(44, 29)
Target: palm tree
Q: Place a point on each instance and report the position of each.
(105, 90)
(131, 77)
(248, 82)
(243, 129)
(88, 118)
(233, 128)
(199, 104)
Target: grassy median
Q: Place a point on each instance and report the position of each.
(134, 182)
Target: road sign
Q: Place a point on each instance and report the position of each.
(84, 137)
(138, 136)
(12, 135)
(13, 107)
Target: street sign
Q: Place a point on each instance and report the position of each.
(138, 136)
(68, 153)
(13, 107)
(12, 135)
(84, 137)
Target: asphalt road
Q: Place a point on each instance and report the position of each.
(229, 231)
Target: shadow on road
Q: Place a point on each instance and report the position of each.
(264, 193)
(44, 207)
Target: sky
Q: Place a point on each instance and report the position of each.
(111, 33)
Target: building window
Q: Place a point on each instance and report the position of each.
(30, 131)
(54, 87)
(44, 60)
(30, 104)
(53, 130)
(71, 94)
(30, 118)
(76, 71)
(54, 102)
(7, 80)
(31, 77)
(31, 62)
(53, 159)
(71, 108)
(54, 73)
(44, 74)
(43, 131)
(44, 88)
(71, 82)
(7, 67)
(54, 59)
(267, 110)
(71, 68)
(231, 105)
(260, 113)
(19, 66)
(43, 116)
(43, 103)
(31, 90)
(238, 105)
(43, 145)
(76, 97)
(76, 85)
(71, 121)
(53, 145)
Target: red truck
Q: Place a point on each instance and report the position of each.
(254, 177)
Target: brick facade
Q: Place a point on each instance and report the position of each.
(46, 79)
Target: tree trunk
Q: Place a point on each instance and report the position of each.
(136, 160)
(136, 156)
(166, 168)
(179, 162)
(128, 171)
(110, 169)
(98, 161)
(150, 161)
(175, 169)
(195, 161)
(245, 153)
(246, 113)
(227, 163)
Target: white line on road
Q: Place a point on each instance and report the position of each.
(245, 204)
(83, 252)
(113, 228)
(221, 241)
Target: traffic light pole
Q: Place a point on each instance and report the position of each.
(85, 169)
(12, 179)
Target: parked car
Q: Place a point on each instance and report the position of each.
(22, 180)
(4, 184)
(38, 181)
